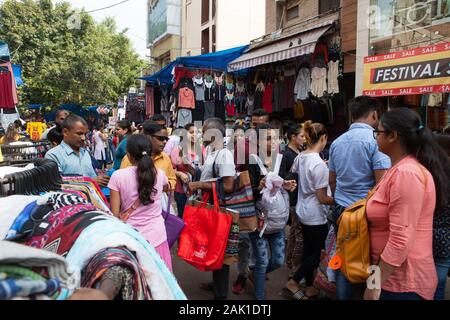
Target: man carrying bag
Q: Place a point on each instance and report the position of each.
(222, 161)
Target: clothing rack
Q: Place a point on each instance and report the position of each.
(43, 177)
(19, 153)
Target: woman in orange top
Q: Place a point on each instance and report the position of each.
(400, 213)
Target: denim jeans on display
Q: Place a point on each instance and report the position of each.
(269, 256)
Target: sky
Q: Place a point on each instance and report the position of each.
(131, 14)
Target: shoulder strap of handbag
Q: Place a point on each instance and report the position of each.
(127, 213)
(214, 164)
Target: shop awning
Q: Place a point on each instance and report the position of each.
(294, 46)
(217, 61)
(162, 76)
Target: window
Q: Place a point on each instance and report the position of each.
(213, 9)
(328, 5)
(205, 41)
(205, 11)
(157, 21)
(292, 13)
(214, 38)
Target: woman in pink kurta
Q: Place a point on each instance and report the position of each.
(141, 186)
(400, 212)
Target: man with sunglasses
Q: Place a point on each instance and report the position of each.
(158, 137)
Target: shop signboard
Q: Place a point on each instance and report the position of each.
(421, 70)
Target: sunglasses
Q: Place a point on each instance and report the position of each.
(161, 138)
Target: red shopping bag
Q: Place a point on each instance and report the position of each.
(205, 235)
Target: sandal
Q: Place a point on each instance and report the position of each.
(206, 286)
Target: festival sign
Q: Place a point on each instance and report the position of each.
(418, 71)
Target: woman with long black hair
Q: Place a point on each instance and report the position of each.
(138, 201)
(400, 212)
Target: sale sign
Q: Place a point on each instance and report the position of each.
(418, 71)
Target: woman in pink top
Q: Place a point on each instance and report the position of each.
(141, 186)
(400, 212)
(183, 158)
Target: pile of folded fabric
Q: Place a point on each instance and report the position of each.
(97, 246)
(28, 273)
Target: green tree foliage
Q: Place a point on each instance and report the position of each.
(89, 64)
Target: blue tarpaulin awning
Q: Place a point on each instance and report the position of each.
(34, 106)
(217, 61)
(17, 71)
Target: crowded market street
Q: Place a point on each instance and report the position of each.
(207, 150)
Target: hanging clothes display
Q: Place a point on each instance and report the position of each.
(302, 84)
(319, 81)
(186, 98)
(149, 101)
(135, 109)
(199, 112)
(218, 78)
(435, 100)
(259, 95)
(333, 73)
(184, 117)
(8, 91)
(219, 97)
(165, 91)
(230, 103)
(250, 105)
(199, 88)
(209, 98)
(209, 89)
(241, 96)
(267, 98)
(320, 55)
(288, 92)
(278, 95)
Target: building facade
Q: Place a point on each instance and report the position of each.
(395, 37)
(163, 31)
(215, 25)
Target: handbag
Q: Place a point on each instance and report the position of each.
(240, 200)
(204, 239)
(174, 225)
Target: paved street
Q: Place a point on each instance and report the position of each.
(190, 278)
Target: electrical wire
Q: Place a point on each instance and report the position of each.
(108, 7)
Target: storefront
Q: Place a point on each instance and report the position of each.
(192, 88)
(299, 76)
(409, 56)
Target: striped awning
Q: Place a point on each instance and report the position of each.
(301, 44)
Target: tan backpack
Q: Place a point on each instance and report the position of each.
(353, 242)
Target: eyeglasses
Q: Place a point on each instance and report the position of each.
(161, 138)
(377, 132)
